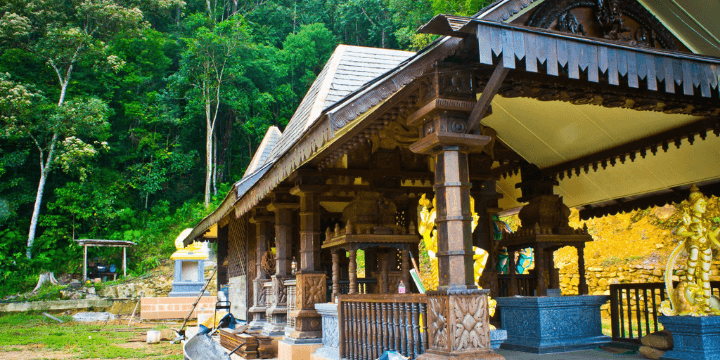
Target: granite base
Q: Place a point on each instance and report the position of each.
(497, 337)
(544, 325)
(695, 338)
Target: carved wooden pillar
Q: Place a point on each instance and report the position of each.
(282, 207)
(384, 278)
(582, 287)
(310, 283)
(406, 270)
(541, 289)
(352, 272)
(552, 270)
(335, 274)
(512, 284)
(448, 130)
(263, 221)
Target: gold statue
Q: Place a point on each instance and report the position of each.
(194, 251)
(427, 229)
(693, 295)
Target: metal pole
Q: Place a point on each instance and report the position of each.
(84, 263)
(124, 262)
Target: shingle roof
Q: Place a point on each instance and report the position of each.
(271, 138)
(348, 69)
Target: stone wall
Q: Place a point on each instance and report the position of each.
(238, 296)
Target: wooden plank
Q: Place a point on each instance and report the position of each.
(678, 71)
(492, 87)
(641, 66)
(704, 75)
(603, 59)
(669, 75)
(584, 50)
(540, 48)
(530, 59)
(496, 37)
(519, 44)
(552, 61)
(562, 52)
(593, 64)
(484, 44)
(574, 61)
(612, 67)
(632, 70)
(52, 317)
(687, 77)
(622, 62)
(508, 49)
(651, 79)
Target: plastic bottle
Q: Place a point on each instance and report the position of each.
(401, 287)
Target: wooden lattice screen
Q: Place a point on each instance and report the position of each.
(237, 246)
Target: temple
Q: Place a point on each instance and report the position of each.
(606, 106)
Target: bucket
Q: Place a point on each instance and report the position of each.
(153, 337)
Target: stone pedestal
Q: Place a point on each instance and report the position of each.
(189, 278)
(257, 312)
(458, 325)
(695, 338)
(276, 314)
(311, 289)
(544, 325)
(330, 332)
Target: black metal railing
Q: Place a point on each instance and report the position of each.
(634, 309)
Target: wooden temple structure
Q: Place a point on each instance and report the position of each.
(603, 105)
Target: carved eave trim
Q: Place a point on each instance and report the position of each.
(564, 240)
(652, 144)
(525, 48)
(344, 240)
(661, 198)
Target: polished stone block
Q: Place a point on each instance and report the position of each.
(497, 337)
(696, 338)
(544, 325)
(330, 331)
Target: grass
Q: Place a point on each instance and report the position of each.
(33, 332)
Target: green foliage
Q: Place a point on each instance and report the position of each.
(129, 137)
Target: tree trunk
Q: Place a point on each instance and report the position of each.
(44, 171)
(215, 162)
(208, 164)
(45, 277)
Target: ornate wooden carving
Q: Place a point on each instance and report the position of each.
(609, 19)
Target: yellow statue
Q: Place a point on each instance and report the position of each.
(193, 251)
(427, 229)
(693, 295)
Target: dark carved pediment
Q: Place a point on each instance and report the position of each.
(624, 21)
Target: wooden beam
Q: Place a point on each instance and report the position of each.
(491, 88)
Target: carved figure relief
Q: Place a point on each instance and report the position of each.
(568, 23)
(623, 21)
(331, 334)
(279, 291)
(611, 20)
(260, 295)
(469, 329)
(437, 322)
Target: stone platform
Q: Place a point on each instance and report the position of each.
(173, 307)
(695, 338)
(544, 325)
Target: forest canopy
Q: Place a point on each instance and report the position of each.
(129, 119)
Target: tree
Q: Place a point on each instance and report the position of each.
(64, 35)
(205, 68)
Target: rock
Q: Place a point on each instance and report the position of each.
(660, 340)
(93, 316)
(651, 353)
(75, 284)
